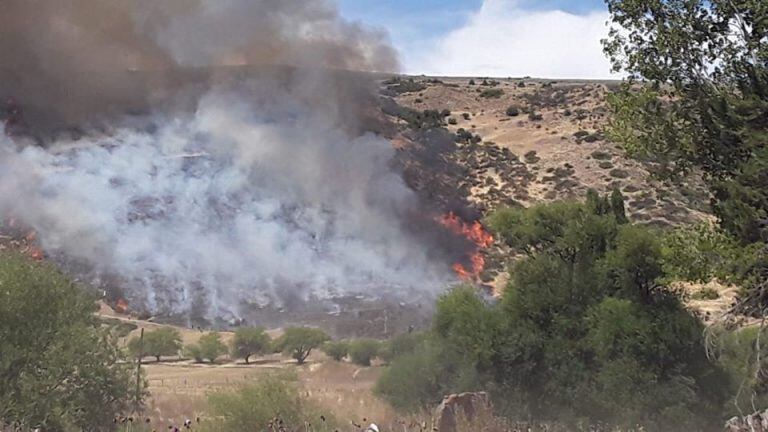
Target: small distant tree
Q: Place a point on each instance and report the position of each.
(249, 342)
(362, 351)
(617, 205)
(472, 82)
(298, 342)
(209, 347)
(336, 350)
(165, 341)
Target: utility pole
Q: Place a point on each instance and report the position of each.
(138, 372)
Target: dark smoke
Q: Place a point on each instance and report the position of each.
(74, 61)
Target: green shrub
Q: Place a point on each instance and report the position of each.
(336, 350)
(452, 121)
(270, 403)
(401, 345)
(534, 116)
(619, 173)
(362, 351)
(601, 155)
(513, 111)
(208, 347)
(531, 157)
(493, 93)
(700, 252)
(706, 293)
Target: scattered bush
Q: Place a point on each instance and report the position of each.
(534, 116)
(531, 157)
(706, 293)
(605, 164)
(492, 93)
(619, 173)
(465, 116)
(362, 351)
(452, 121)
(401, 86)
(336, 350)
(513, 111)
(601, 155)
(270, 403)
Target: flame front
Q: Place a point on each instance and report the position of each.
(474, 232)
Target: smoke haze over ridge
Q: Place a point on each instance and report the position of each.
(266, 190)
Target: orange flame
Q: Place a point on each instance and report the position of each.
(476, 234)
(121, 306)
(36, 253)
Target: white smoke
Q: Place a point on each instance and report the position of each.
(236, 204)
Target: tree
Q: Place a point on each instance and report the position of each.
(165, 341)
(362, 351)
(617, 206)
(336, 350)
(586, 330)
(298, 342)
(209, 347)
(59, 368)
(703, 101)
(249, 342)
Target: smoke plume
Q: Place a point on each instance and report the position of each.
(228, 186)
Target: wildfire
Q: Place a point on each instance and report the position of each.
(121, 306)
(475, 233)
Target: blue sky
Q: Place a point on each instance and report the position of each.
(433, 35)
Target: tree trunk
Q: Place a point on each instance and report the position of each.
(246, 359)
(158, 358)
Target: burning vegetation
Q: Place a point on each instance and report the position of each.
(475, 233)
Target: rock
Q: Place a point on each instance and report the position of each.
(757, 422)
(469, 405)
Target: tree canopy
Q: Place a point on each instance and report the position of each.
(585, 331)
(249, 342)
(298, 342)
(59, 369)
(165, 341)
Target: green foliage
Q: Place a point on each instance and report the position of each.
(704, 100)
(193, 351)
(401, 345)
(336, 350)
(259, 405)
(298, 342)
(362, 351)
(165, 341)
(208, 347)
(701, 252)
(59, 368)
(586, 330)
(513, 111)
(706, 293)
(249, 342)
(120, 328)
(492, 93)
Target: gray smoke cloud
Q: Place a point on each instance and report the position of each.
(262, 190)
(72, 60)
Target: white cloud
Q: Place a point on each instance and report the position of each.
(502, 39)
